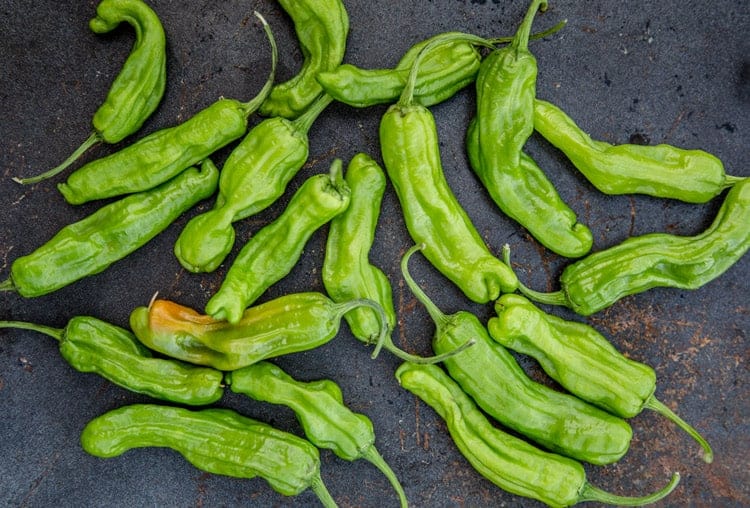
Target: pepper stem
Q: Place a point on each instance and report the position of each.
(424, 360)
(656, 405)
(92, 140)
(521, 40)
(252, 105)
(436, 314)
(303, 122)
(342, 308)
(590, 493)
(372, 455)
(320, 490)
(553, 298)
(7, 285)
(55, 333)
(730, 180)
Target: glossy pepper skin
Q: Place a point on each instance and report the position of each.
(433, 216)
(510, 463)
(322, 27)
(115, 230)
(284, 325)
(663, 171)
(254, 176)
(273, 251)
(506, 87)
(656, 260)
(490, 374)
(138, 88)
(218, 441)
(319, 407)
(583, 362)
(163, 154)
(91, 345)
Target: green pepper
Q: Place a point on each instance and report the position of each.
(284, 325)
(218, 441)
(490, 374)
(112, 232)
(319, 407)
(254, 176)
(506, 86)
(656, 260)
(433, 215)
(507, 461)
(582, 361)
(322, 27)
(664, 171)
(92, 345)
(163, 154)
(138, 88)
(273, 251)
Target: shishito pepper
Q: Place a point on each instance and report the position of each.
(273, 251)
(91, 345)
(218, 441)
(284, 325)
(664, 171)
(319, 407)
(322, 27)
(112, 232)
(138, 88)
(583, 362)
(510, 463)
(656, 260)
(163, 154)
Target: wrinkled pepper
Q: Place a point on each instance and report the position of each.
(218, 441)
(319, 407)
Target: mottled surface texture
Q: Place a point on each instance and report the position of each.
(671, 71)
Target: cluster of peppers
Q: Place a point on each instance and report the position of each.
(230, 344)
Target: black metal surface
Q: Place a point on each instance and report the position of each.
(672, 71)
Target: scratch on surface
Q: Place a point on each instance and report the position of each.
(674, 126)
(313, 162)
(39, 479)
(202, 490)
(417, 421)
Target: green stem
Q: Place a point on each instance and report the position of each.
(372, 455)
(656, 405)
(730, 180)
(340, 309)
(321, 491)
(7, 285)
(590, 493)
(55, 333)
(553, 298)
(251, 106)
(305, 120)
(521, 40)
(408, 357)
(92, 140)
(535, 36)
(435, 313)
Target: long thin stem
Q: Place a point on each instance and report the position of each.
(553, 298)
(252, 105)
(424, 360)
(55, 333)
(92, 140)
(591, 493)
(7, 285)
(656, 405)
(435, 313)
(521, 40)
(322, 492)
(373, 456)
(342, 308)
(306, 119)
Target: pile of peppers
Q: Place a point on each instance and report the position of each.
(518, 433)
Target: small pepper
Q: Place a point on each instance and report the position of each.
(319, 407)
(582, 361)
(664, 171)
(490, 374)
(163, 154)
(254, 176)
(218, 441)
(273, 251)
(138, 88)
(433, 215)
(655, 260)
(92, 345)
(284, 325)
(507, 461)
(115, 230)
(322, 27)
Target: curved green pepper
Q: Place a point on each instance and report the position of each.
(490, 374)
(138, 88)
(217, 441)
(254, 175)
(582, 361)
(664, 171)
(507, 461)
(506, 86)
(115, 230)
(92, 345)
(284, 325)
(273, 251)
(656, 260)
(433, 215)
(322, 27)
(163, 154)
(320, 409)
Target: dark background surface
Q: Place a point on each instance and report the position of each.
(671, 71)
